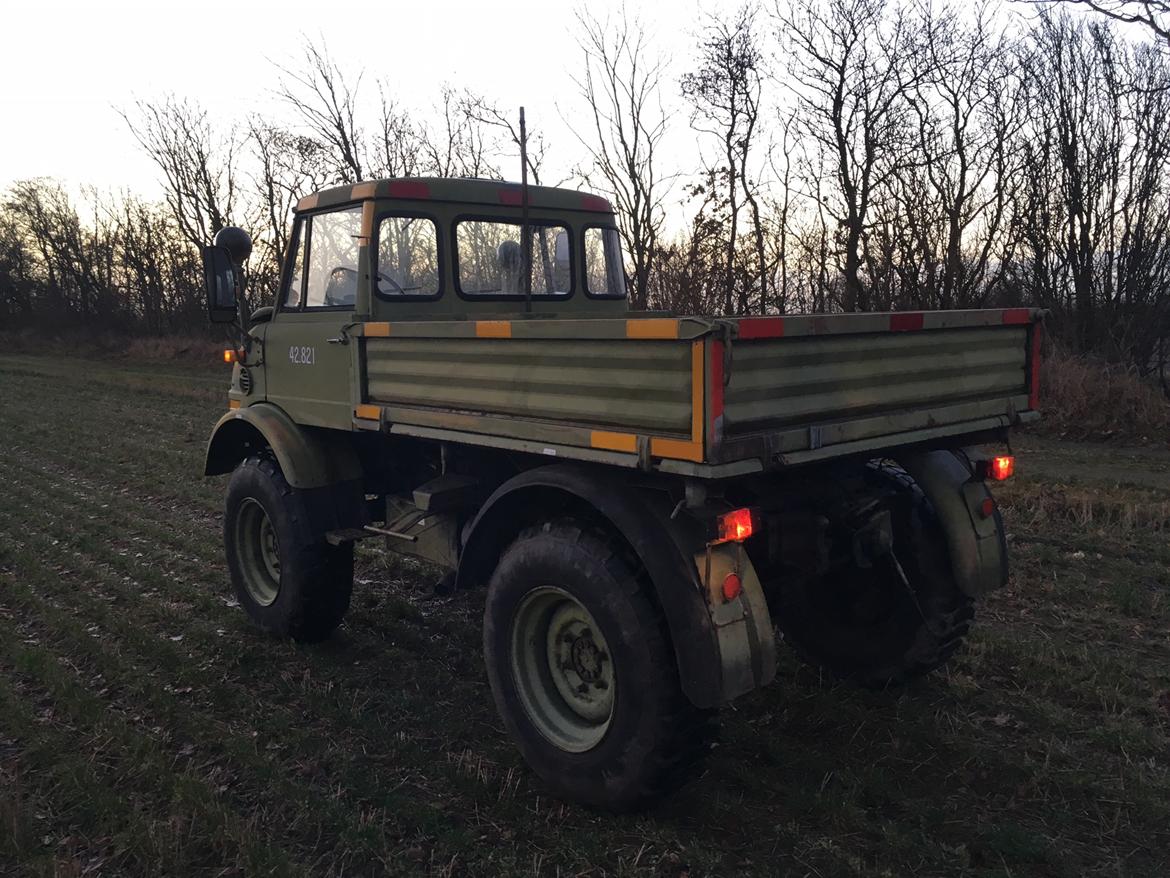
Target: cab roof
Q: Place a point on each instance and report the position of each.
(460, 190)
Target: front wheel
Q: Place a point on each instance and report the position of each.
(583, 673)
(288, 579)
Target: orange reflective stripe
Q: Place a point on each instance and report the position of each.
(654, 327)
(626, 442)
(493, 328)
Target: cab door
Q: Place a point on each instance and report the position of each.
(308, 368)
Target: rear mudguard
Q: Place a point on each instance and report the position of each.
(722, 649)
(976, 542)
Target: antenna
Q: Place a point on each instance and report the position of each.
(525, 238)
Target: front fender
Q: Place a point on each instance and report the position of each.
(309, 457)
(976, 543)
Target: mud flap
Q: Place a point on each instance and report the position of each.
(975, 542)
(743, 625)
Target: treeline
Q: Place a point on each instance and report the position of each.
(857, 155)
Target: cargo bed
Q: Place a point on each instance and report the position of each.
(706, 397)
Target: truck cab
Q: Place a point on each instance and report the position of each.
(425, 249)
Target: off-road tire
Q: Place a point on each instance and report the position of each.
(315, 578)
(656, 739)
(923, 630)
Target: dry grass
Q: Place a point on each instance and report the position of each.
(1084, 398)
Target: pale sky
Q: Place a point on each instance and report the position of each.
(66, 68)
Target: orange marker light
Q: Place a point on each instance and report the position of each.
(735, 526)
(1002, 467)
(229, 355)
(732, 586)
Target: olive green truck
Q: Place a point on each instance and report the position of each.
(651, 501)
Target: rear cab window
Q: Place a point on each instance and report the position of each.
(489, 258)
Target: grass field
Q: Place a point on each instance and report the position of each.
(146, 729)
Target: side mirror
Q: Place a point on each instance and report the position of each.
(219, 276)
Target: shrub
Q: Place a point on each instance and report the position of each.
(1087, 398)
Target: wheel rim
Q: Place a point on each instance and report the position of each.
(259, 552)
(563, 669)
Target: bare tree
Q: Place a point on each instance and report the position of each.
(326, 103)
(1153, 14)
(157, 272)
(783, 209)
(76, 257)
(852, 68)
(286, 167)
(955, 194)
(198, 163)
(621, 84)
(19, 287)
(483, 111)
(458, 144)
(725, 92)
(688, 275)
(397, 149)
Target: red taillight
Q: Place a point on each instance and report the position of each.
(732, 586)
(987, 507)
(1002, 467)
(735, 526)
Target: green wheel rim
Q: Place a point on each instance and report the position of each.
(563, 669)
(259, 552)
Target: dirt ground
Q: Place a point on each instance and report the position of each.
(147, 729)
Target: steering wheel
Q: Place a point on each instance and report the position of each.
(397, 286)
(342, 286)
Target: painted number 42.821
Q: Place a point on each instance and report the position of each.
(302, 355)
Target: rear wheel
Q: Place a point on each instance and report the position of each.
(899, 618)
(289, 580)
(583, 673)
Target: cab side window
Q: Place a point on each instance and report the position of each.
(333, 258)
(408, 257)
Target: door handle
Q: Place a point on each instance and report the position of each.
(341, 339)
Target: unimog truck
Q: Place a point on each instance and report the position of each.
(651, 501)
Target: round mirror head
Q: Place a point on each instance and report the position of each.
(236, 241)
